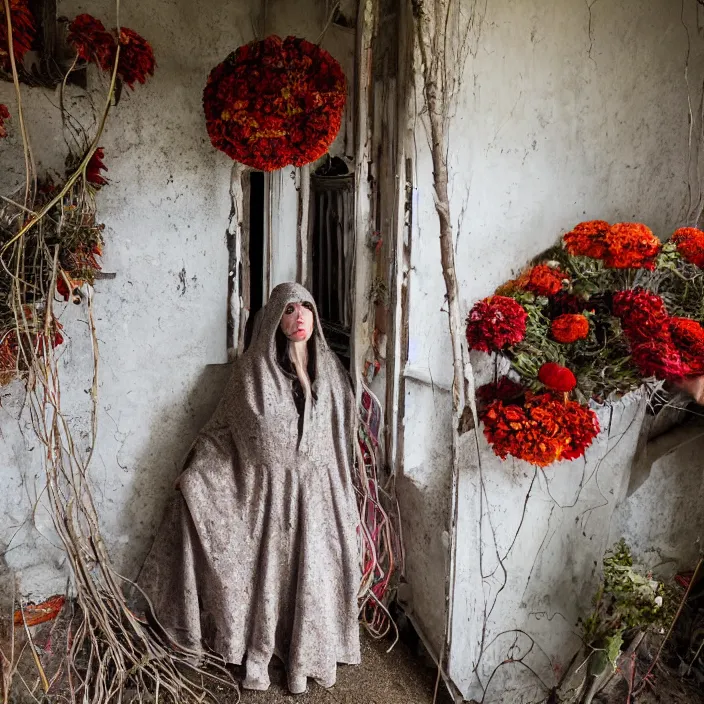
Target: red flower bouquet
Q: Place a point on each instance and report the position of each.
(569, 328)
(690, 245)
(494, 323)
(275, 102)
(625, 334)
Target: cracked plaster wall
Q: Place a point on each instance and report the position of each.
(566, 112)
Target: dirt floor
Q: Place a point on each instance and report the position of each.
(399, 677)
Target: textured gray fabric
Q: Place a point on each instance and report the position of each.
(258, 553)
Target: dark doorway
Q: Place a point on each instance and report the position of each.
(332, 253)
(256, 249)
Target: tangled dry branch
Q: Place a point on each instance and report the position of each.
(49, 241)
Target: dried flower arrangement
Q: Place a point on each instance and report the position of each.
(595, 317)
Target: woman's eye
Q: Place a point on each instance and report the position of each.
(309, 306)
(289, 309)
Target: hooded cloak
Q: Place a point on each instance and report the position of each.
(258, 553)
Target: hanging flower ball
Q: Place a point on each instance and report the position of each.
(494, 323)
(275, 102)
(569, 328)
(690, 245)
(557, 377)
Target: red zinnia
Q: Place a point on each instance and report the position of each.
(569, 328)
(587, 239)
(557, 377)
(4, 115)
(690, 245)
(23, 31)
(494, 323)
(631, 245)
(688, 337)
(659, 358)
(136, 58)
(94, 167)
(92, 41)
(543, 280)
(642, 313)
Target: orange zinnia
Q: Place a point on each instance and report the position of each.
(569, 328)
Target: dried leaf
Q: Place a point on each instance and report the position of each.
(34, 614)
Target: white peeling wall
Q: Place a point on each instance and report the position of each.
(162, 321)
(564, 114)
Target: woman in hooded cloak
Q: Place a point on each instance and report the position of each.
(258, 554)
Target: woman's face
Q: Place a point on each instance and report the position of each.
(297, 321)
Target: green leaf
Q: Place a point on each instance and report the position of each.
(613, 647)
